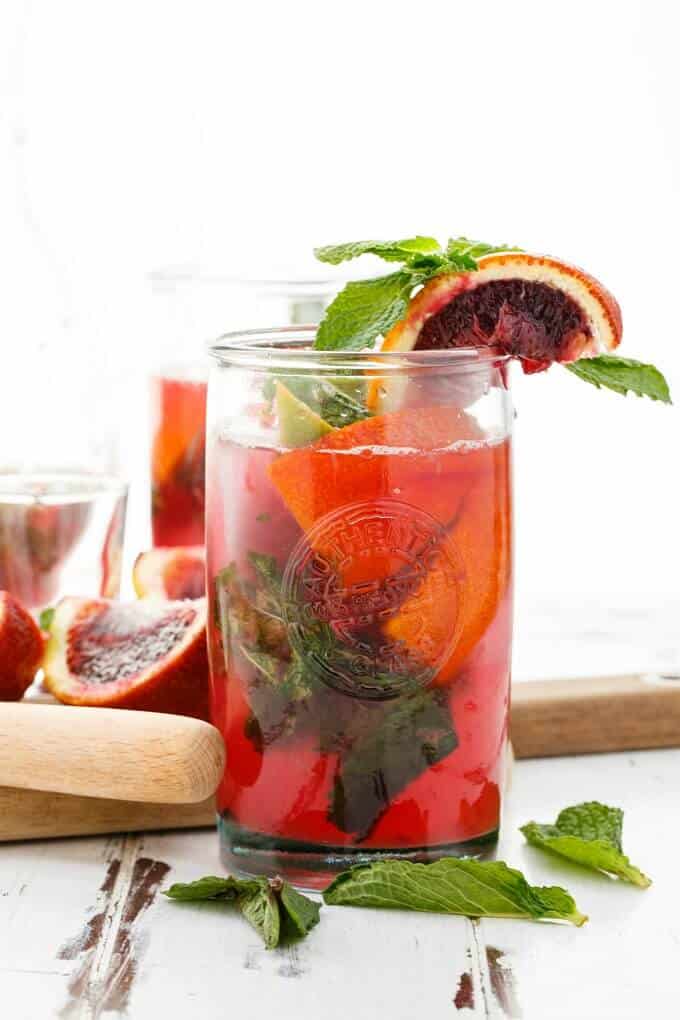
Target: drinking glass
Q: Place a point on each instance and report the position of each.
(359, 574)
(62, 497)
(178, 391)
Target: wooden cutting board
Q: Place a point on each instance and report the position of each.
(548, 718)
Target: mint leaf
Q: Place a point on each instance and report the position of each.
(46, 617)
(390, 251)
(275, 910)
(211, 887)
(464, 248)
(622, 375)
(364, 310)
(589, 834)
(398, 743)
(451, 886)
(299, 914)
(261, 909)
(329, 400)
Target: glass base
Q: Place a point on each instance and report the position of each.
(312, 866)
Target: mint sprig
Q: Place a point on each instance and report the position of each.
(588, 834)
(449, 886)
(277, 912)
(390, 251)
(364, 310)
(367, 309)
(622, 375)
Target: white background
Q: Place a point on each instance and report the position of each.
(220, 137)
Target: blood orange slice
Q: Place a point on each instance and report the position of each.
(531, 307)
(177, 572)
(480, 538)
(149, 655)
(411, 455)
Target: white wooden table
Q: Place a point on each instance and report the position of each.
(85, 934)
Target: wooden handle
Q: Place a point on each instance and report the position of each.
(33, 814)
(615, 713)
(110, 753)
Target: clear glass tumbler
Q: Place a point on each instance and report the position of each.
(358, 533)
(62, 494)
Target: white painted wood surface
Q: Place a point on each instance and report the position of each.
(84, 933)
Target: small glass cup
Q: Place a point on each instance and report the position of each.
(178, 392)
(61, 532)
(359, 573)
(62, 498)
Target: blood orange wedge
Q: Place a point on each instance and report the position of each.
(436, 615)
(411, 455)
(177, 572)
(531, 307)
(149, 655)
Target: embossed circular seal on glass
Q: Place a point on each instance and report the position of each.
(358, 568)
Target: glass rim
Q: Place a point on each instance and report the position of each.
(290, 347)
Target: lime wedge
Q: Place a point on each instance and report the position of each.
(298, 424)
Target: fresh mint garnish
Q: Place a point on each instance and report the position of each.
(450, 886)
(277, 912)
(390, 251)
(622, 375)
(589, 834)
(367, 309)
(364, 310)
(46, 617)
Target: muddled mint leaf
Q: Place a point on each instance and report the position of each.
(338, 402)
(390, 251)
(363, 311)
(589, 834)
(268, 571)
(622, 375)
(449, 886)
(276, 911)
(402, 740)
(46, 617)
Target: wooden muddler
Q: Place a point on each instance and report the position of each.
(109, 753)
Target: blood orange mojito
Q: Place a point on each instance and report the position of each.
(178, 460)
(359, 550)
(359, 569)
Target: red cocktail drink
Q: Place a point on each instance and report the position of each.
(359, 572)
(178, 461)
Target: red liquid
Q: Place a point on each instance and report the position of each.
(407, 559)
(178, 462)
